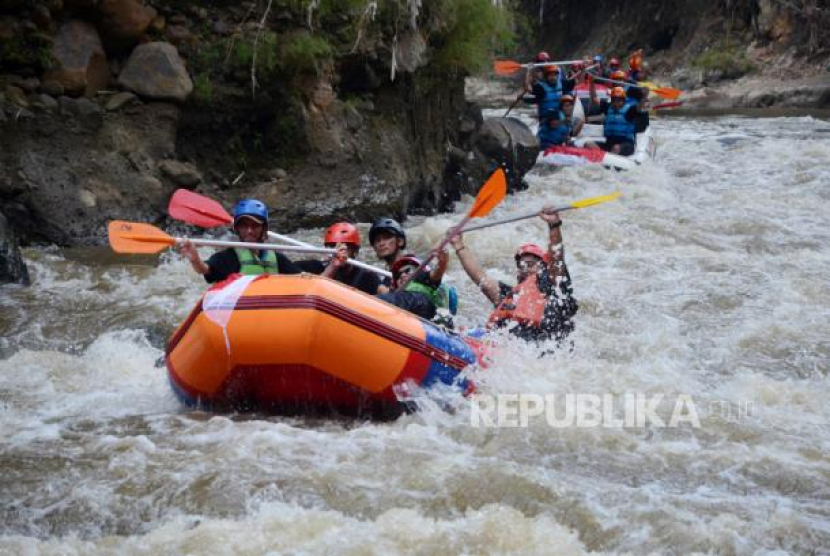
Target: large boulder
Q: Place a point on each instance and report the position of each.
(123, 22)
(82, 67)
(509, 143)
(12, 268)
(156, 71)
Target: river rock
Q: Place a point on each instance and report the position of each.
(411, 52)
(16, 96)
(81, 62)
(45, 102)
(123, 22)
(510, 143)
(79, 107)
(12, 267)
(183, 173)
(120, 100)
(52, 88)
(156, 71)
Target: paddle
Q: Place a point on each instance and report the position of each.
(665, 92)
(135, 237)
(664, 105)
(512, 106)
(489, 196)
(575, 205)
(509, 67)
(196, 209)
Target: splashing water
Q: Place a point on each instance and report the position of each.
(707, 278)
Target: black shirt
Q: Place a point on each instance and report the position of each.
(561, 307)
(358, 278)
(224, 263)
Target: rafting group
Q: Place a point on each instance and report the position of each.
(567, 94)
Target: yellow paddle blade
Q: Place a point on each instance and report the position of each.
(595, 200)
(506, 67)
(134, 237)
(490, 194)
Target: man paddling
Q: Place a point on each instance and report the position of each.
(541, 306)
(345, 238)
(620, 124)
(547, 93)
(250, 222)
(558, 127)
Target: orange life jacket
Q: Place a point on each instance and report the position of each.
(525, 304)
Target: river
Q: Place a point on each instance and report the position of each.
(707, 281)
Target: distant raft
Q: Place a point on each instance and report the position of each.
(303, 344)
(572, 156)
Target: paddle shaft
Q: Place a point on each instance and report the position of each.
(615, 82)
(561, 63)
(510, 219)
(353, 262)
(256, 246)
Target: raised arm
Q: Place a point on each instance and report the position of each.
(556, 248)
(488, 286)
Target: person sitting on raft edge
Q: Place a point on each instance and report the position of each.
(250, 222)
(541, 306)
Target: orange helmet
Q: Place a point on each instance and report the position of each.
(565, 98)
(530, 249)
(618, 92)
(550, 69)
(613, 63)
(342, 232)
(618, 75)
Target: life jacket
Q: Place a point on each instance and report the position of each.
(549, 136)
(525, 304)
(617, 126)
(251, 265)
(553, 93)
(440, 296)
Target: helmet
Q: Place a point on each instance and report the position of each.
(613, 62)
(565, 98)
(542, 57)
(579, 65)
(550, 69)
(342, 232)
(387, 225)
(530, 249)
(598, 59)
(618, 92)
(252, 208)
(400, 264)
(618, 75)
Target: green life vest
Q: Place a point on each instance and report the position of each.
(438, 295)
(251, 265)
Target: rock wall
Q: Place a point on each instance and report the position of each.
(326, 111)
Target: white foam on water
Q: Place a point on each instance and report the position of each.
(707, 278)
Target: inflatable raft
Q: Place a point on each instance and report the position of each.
(303, 344)
(569, 156)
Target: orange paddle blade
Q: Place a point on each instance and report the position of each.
(133, 237)
(490, 194)
(198, 210)
(667, 92)
(506, 67)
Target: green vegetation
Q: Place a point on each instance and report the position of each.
(471, 32)
(302, 52)
(727, 60)
(26, 50)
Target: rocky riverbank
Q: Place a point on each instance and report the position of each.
(327, 111)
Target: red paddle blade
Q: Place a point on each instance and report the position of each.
(198, 210)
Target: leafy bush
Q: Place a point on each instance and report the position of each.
(729, 62)
(302, 52)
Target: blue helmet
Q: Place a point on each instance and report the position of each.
(251, 207)
(598, 58)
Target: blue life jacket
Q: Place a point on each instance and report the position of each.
(552, 95)
(617, 126)
(550, 136)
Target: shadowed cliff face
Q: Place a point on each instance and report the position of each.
(326, 110)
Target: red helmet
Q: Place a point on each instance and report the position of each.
(547, 70)
(579, 65)
(342, 232)
(618, 92)
(566, 98)
(618, 75)
(613, 62)
(400, 264)
(542, 57)
(530, 249)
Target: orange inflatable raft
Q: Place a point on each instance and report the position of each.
(306, 344)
